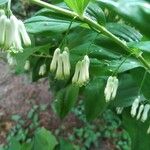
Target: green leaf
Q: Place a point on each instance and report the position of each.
(94, 98)
(124, 32)
(77, 5)
(96, 13)
(40, 24)
(127, 91)
(138, 75)
(27, 146)
(137, 12)
(2, 2)
(14, 145)
(137, 131)
(65, 100)
(44, 140)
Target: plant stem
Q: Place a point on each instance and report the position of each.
(94, 24)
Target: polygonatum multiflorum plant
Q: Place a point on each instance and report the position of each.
(98, 49)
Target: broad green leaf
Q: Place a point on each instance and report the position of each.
(27, 146)
(138, 75)
(44, 140)
(94, 100)
(40, 24)
(127, 91)
(96, 13)
(137, 131)
(77, 5)
(124, 32)
(3, 2)
(65, 100)
(137, 12)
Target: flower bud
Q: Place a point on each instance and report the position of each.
(81, 75)
(148, 130)
(11, 60)
(27, 65)
(77, 72)
(3, 19)
(135, 105)
(11, 30)
(54, 61)
(66, 63)
(111, 88)
(59, 71)
(23, 33)
(2, 12)
(42, 70)
(119, 110)
(145, 113)
(140, 111)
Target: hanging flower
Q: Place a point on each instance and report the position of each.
(3, 19)
(111, 88)
(27, 65)
(81, 75)
(59, 72)
(54, 62)
(61, 64)
(119, 110)
(42, 70)
(13, 32)
(140, 111)
(148, 130)
(145, 113)
(134, 107)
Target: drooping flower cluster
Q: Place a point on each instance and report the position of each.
(81, 75)
(111, 88)
(139, 110)
(61, 64)
(13, 32)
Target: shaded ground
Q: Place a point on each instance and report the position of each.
(17, 95)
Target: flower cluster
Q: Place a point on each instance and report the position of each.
(140, 110)
(111, 88)
(13, 32)
(81, 75)
(61, 64)
(42, 70)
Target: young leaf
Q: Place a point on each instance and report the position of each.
(44, 140)
(77, 5)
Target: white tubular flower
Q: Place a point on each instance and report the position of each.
(77, 72)
(23, 33)
(54, 62)
(66, 64)
(148, 130)
(81, 75)
(27, 65)
(11, 60)
(59, 71)
(3, 20)
(119, 110)
(111, 88)
(134, 107)
(140, 111)
(145, 113)
(42, 70)
(86, 64)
